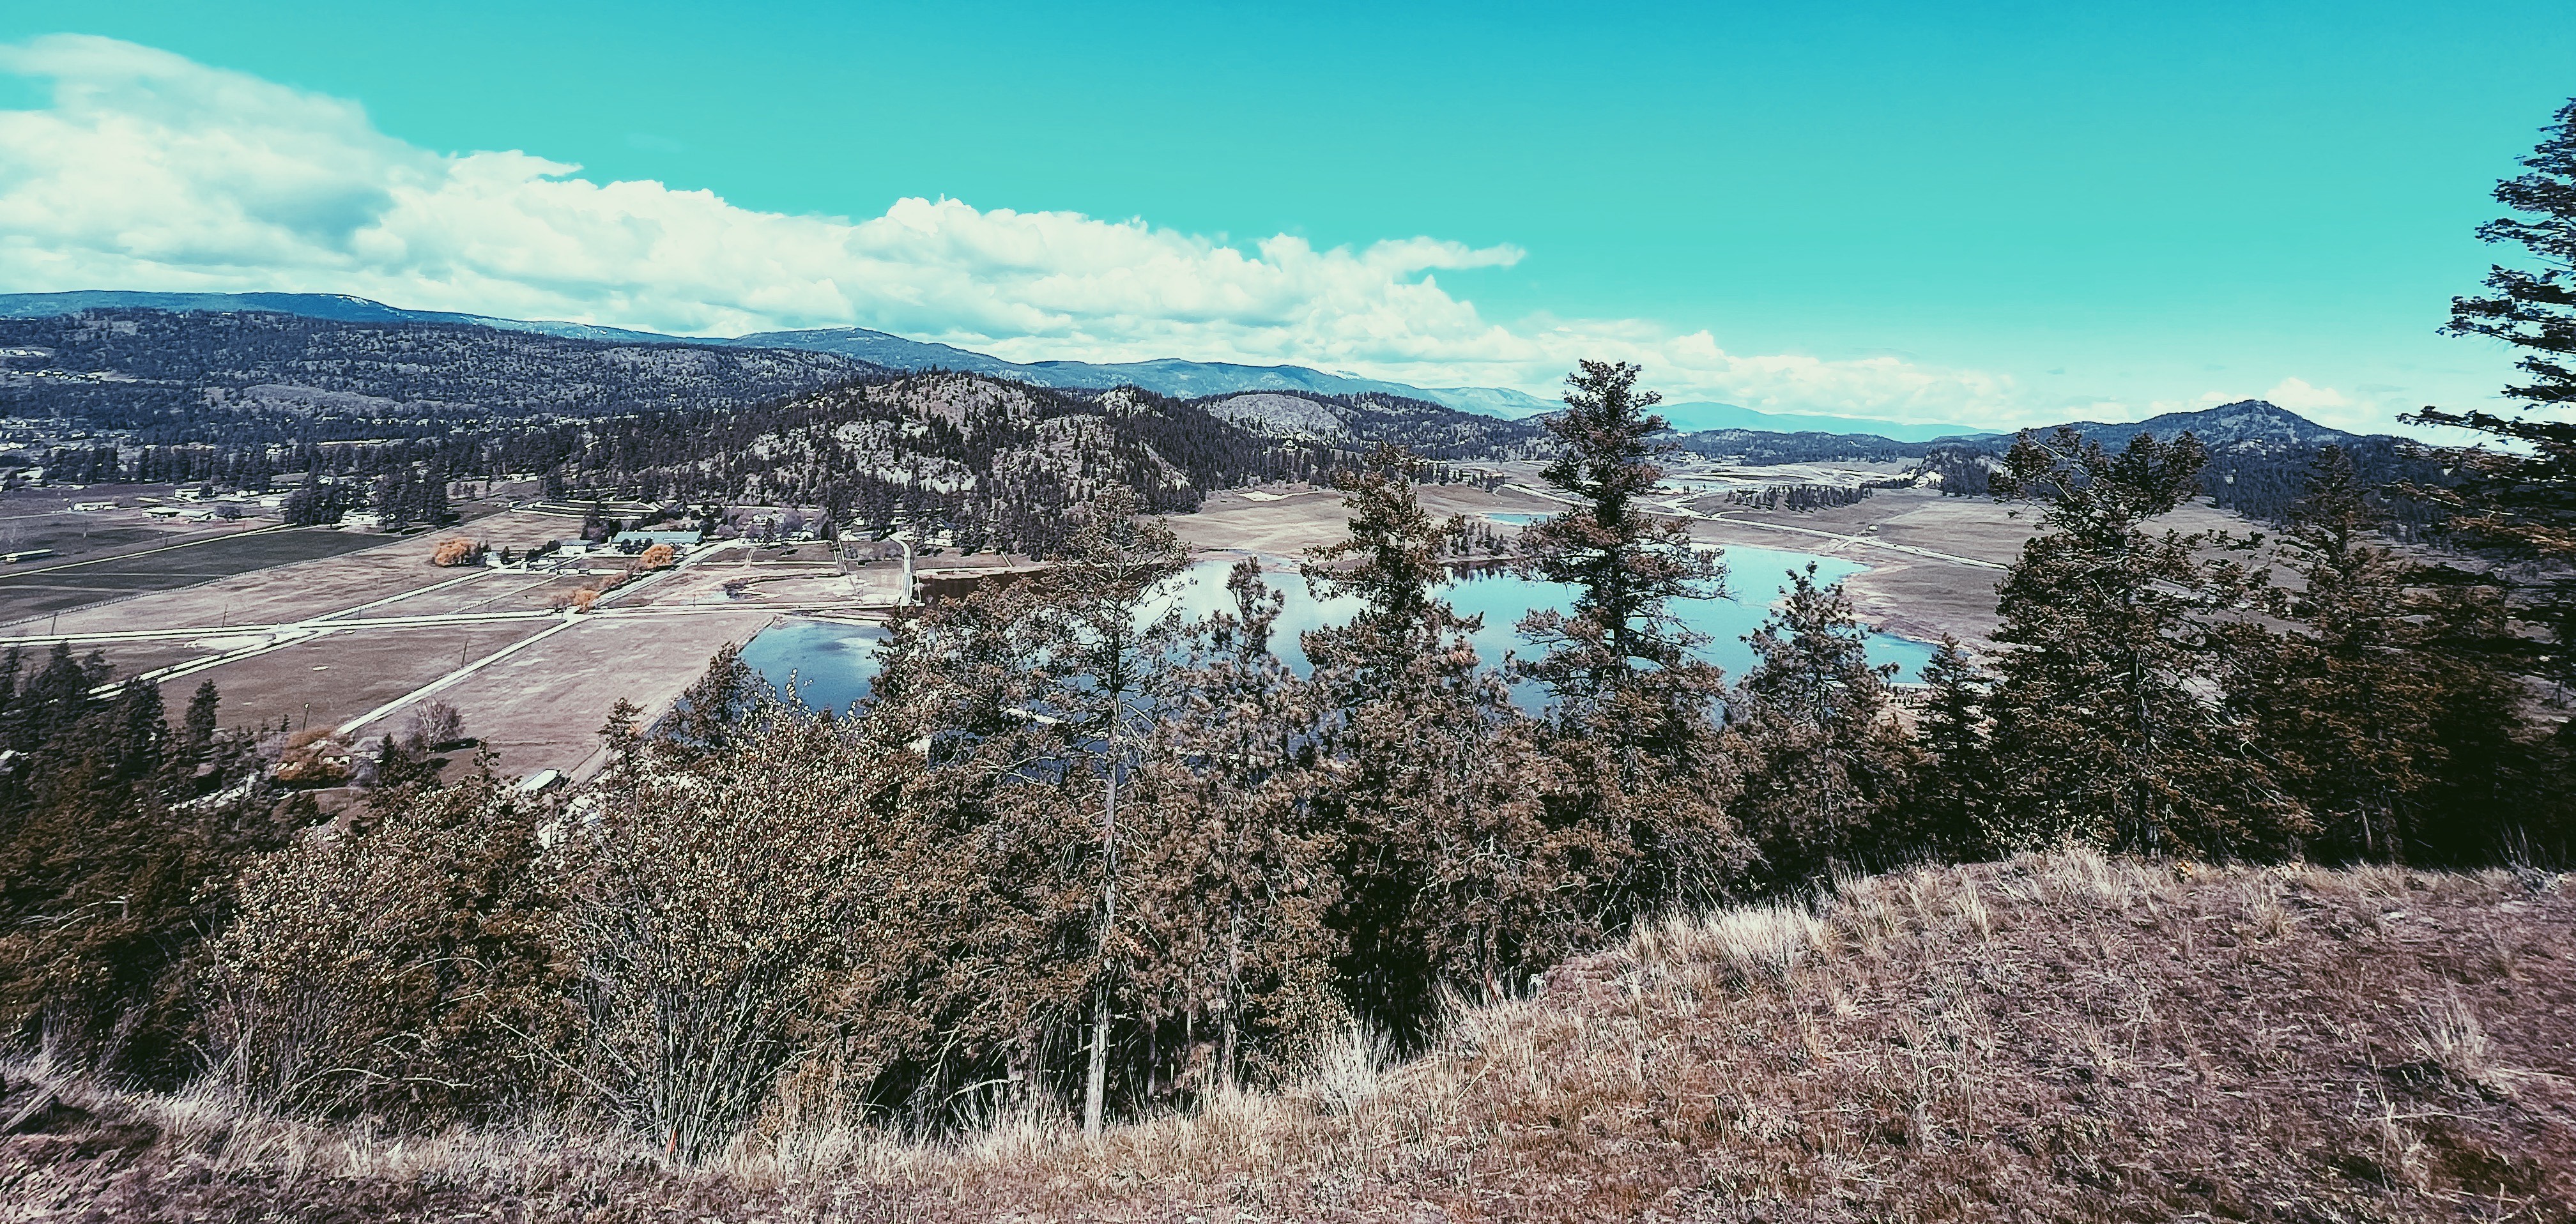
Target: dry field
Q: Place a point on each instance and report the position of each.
(136, 561)
(541, 703)
(1905, 591)
(398, 625)
(1938, 577)
(2054, 1038)
(1285, 520)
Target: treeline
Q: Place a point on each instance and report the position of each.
(1430, 431)
(243, 399)
(1076, 848)
(1798, 498)
(2262, 483)
(988, 464)
(119, 839)
(1759, 447)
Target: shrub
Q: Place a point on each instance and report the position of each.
(398, 969)
(456, 551)
(715, 915)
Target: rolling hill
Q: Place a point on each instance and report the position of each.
(1169, 376)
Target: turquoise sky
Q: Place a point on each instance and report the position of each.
(2128, 202)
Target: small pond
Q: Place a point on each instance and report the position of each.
(832, 661)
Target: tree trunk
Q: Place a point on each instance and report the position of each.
(1233, 986)
(1095, 1084)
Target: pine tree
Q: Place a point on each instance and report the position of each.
(2383, 688)
(1826, 763)
(107, 886)
(2517, 504)
(1391, 561)
(1635, 704)
(1619, 661)
(1234, 887)
(1952, 803)
(197, 733)
(1451, 867)
(1109, 658)
(2108, 728)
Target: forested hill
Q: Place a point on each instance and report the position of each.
(373, 410)
(177, 374)
(1169, 377)
(989, 463)
(2259, 456)
(1430, 430)
(2240, 426)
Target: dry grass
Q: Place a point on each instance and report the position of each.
(2054, 1038)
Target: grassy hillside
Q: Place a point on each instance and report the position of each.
(2057, 1037)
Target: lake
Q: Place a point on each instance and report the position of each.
(833, 661)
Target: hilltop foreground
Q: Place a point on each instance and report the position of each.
(2056, 1037)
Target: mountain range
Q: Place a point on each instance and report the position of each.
(1164, 376)
(244, 386)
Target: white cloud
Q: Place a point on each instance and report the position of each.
(2297, 396)
(150, 171)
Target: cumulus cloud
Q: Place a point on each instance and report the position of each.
(2296, 395)
(151, 171)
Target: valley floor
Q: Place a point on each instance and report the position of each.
(2053, 1038)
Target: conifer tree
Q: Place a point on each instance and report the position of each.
(2382, 692)
(1391, 561)
(1635, 705)
(1110, 643)
(1619, 661)
(108, 886)
(2518, 503)
(1952, 800)
(1234, 887)
(1451, 867)
(2108, 727)
(197, 727)
(1825, 761)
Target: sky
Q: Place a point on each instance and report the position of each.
(1986, 215)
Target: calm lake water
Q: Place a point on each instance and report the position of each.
(832, 662)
